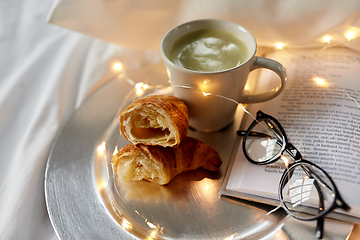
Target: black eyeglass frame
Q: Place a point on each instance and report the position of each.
(286, 146)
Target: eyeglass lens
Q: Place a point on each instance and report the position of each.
(307, 191)
(264, 142)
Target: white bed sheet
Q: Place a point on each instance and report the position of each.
(46, 72)
(141, 24)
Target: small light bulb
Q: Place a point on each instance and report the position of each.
(145, 86)
(139, 91)
(279, 46)
(139, 85)
(118, 66)
(326, 39)
(319, 80)
(350, 35)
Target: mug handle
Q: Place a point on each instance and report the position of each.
(278, 68)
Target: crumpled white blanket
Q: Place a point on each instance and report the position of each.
(46, 72)
(141, 24)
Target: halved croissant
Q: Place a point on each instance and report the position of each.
(160, 165)
(156, 120)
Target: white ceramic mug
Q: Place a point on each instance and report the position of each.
(211, 113)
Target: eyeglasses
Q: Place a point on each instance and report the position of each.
(306, 191)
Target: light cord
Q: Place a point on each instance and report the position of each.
(215, 95)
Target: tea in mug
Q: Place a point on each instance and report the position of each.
(209, 50)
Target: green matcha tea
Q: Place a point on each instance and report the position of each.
(209, 50)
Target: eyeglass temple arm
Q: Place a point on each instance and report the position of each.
(319, 232)
(240, 133)
(269, 127)
(258, 134)
(252, 133)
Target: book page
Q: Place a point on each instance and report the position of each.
(320, 114)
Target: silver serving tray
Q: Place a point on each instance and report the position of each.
(84, 200)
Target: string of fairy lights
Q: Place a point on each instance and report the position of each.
(339, 38)
(334, 39)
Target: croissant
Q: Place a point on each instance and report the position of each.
(160, 165)
(156, 120)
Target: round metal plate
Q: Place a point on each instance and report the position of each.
(84, 200)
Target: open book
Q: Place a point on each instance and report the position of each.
(320, 112)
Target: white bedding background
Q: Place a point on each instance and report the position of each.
(46, 71)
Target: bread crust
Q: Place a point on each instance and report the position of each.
(189, 155)
(156, 120)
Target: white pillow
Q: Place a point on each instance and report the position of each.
(141, 24)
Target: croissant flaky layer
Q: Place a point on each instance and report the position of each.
(156, 120)
(160, 165)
